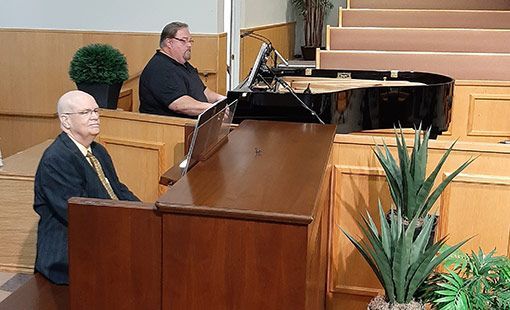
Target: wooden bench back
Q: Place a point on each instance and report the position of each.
(412, 18)
(460, 66)
(431, 4)
(419, 39)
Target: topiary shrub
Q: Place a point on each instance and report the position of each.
(98, 63)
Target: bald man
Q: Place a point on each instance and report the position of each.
(69, 168)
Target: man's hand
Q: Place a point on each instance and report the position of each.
(213, 96)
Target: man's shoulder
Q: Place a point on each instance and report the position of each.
(158, 60)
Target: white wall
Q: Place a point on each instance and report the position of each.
(203, 16)
(265, 12)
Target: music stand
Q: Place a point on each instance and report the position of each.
(211, 131)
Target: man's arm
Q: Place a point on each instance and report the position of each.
(58, 181)
(212, 96)
(189, 106)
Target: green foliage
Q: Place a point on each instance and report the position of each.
(409, 189)
(476, 281)
(98, 63)
(400, 261)
(314, 13)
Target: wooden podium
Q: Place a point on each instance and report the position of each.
(245, 229)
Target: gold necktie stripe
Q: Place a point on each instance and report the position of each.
(100, 173)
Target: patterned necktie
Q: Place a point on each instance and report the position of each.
(100, 173)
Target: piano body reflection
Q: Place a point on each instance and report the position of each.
(354, 100)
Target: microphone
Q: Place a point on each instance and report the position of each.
(287, 87)
(246, 33)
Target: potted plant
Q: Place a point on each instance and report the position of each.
(401, 261)
(314, 12)
(471, 281)
(410, 189)
(100, 70)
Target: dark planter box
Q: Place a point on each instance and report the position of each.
(106, 95)
(308, 52)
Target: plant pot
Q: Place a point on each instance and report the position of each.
(380, 303)
(105, 95)
(308, 52)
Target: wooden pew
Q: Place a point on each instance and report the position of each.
(18, 220)
(143, 147)
(460, 66)
(411, 18)
(430, 4)
(418, 39)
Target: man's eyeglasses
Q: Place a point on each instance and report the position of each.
(87, 112)
(185, 40)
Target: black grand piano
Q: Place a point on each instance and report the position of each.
(354, 100)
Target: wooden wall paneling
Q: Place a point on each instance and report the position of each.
(33, 82)
(143, 147)
(19, 131)
(281, 36)
(149, 160)
(488, 115)
(18, 223)
(476, 202)
(477, 206)
(356, 190)
(18, 220)
(221, 75)
(479, 111)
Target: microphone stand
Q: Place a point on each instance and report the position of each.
(260, 37)
(287, 87)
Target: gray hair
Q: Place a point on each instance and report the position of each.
(170, 30)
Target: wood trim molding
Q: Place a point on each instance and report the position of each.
(157, 119)
(28, 114)
(357, 290)
(473, 98)
(356, 170)
(464, 146)
(159, 147)
(16, 177)
(338, 171)
(486, 83)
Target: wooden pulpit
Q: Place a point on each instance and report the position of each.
(245, 229)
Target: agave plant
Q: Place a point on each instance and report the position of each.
(471, 281)
(400, 261)
(409, 189)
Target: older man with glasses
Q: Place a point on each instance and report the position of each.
(72, 166)
(169, 84)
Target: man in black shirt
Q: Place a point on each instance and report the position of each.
(169, 84)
